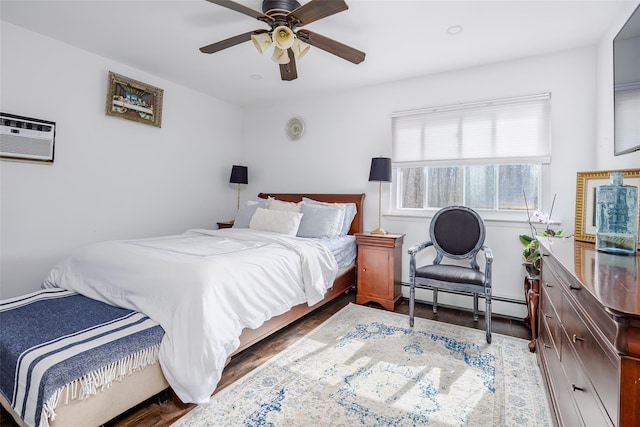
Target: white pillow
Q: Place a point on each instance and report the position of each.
(276, 221)
(279, 205)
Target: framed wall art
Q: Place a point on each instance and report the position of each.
(586, 184)
(134, 100)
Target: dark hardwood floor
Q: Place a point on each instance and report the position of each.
(151, 413)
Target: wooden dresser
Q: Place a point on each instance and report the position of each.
(589, 334)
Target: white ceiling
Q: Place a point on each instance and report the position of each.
(401, 38)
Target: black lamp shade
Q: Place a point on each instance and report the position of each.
(380, 169)
(239, 175)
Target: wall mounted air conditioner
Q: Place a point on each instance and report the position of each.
(24, 138)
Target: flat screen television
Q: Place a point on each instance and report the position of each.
(626, 86)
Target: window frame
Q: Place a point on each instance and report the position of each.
(393, 209)
(394, 197)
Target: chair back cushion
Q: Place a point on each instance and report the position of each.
(457, 231)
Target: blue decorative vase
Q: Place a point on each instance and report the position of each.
(617, 216)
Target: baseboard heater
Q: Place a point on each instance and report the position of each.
(493, 297)
(26, 138)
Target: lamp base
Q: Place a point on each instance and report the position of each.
(380, 231)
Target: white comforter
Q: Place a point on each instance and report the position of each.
(203, 287)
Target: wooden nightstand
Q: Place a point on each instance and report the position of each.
(380, 269)
(225, 224)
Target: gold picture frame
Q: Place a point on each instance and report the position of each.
(586, 184)
(133, 100)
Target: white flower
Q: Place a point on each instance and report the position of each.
(539, 217)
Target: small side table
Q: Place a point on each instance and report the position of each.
(379, 269)
(224, 224)
(532, 295)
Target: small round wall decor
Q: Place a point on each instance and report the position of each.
(295, 128)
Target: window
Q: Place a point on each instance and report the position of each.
(488, 155)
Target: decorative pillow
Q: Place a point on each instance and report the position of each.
(349, 213)
(243, 217)
(279, 205)
(321, 221)
(276, 221)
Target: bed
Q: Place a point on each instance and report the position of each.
(150, 378)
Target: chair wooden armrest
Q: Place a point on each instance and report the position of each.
(417, 248)
(488, 254)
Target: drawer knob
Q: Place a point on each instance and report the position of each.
(548, 285)
(364, 269)
(575, 287)
(576, 338)
(546, 345)
(547, 316)
(575, 387)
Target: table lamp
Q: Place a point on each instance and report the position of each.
(381, 172)
(239, 175)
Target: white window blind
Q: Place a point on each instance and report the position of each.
(504, 131)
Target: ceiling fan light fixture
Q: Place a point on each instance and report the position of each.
(261, 41)
(280, 56)
(300, 48)
(283, 37)
(285, 17)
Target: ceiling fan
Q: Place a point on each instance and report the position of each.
(285, 17)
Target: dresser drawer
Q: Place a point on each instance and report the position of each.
(598, 316)
(564, 406)
(598, 365)
(582, 390)
(598, 310)
(549, 317)
(551, 285)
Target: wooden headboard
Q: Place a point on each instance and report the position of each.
(357, 225)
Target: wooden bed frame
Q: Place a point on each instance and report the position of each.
(148, 382)
(342, 283)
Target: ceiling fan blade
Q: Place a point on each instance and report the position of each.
(243, 9)
(329, 45)
(288, 71)
(314, 10)
(231, 41)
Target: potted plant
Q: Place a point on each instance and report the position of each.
(531, 253)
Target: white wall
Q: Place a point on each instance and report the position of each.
(112, 178)
(117, 179)
(344, 131)
(605, 158)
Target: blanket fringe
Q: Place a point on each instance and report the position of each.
(98, 380)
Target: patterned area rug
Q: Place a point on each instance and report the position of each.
(366, 367)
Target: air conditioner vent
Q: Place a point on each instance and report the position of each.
(25, 138)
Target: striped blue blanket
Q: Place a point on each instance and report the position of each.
(54, 337)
